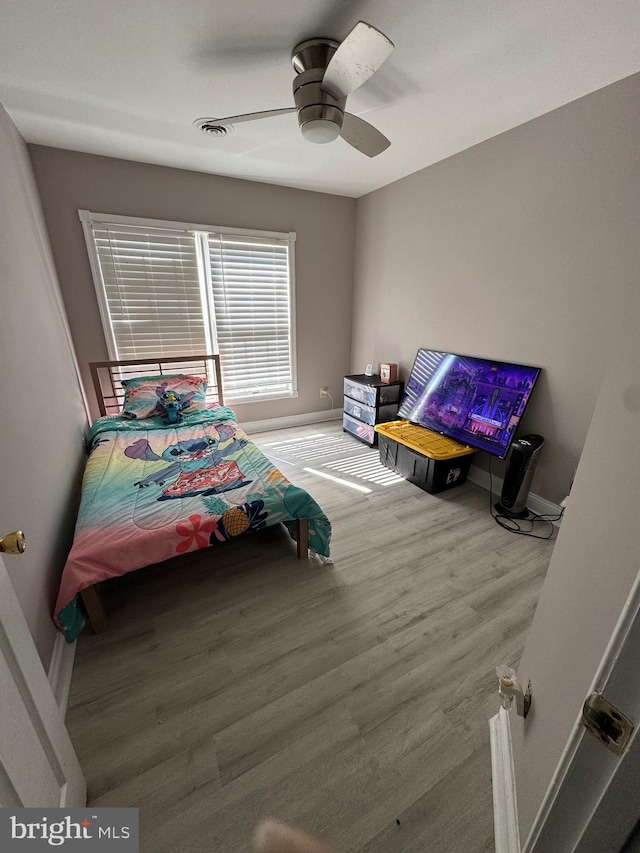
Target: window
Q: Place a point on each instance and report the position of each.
(167, 288)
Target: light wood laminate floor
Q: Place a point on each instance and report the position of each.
(239, 682)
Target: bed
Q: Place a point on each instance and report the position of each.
(170, 471)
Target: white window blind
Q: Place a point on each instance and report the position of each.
(250, 287)
(152, 289)
(169, 290)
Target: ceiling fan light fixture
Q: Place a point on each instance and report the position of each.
(320, 130)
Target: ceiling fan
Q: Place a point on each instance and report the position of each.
(327, 71)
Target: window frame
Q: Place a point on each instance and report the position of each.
(201, 233)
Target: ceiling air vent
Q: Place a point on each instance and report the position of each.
(211, 128)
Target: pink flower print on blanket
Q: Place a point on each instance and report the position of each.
(198, 534)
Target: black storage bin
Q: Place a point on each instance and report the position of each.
(432, 475)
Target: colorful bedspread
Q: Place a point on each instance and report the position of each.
(152, 491)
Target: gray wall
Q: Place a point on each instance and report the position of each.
(324, 225)
(42, 450)
(523, 249)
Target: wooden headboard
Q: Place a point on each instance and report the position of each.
(108, 375)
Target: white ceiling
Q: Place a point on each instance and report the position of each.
(126, 78)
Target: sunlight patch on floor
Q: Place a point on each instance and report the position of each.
(338, 480)
(365, 467)
(312, 447)
(357, 460)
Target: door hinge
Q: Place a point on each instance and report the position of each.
(606, 722)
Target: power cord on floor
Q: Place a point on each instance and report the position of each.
(516, 525)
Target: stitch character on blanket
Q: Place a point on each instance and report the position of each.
(200, 464)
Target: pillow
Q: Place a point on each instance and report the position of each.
(166, 396)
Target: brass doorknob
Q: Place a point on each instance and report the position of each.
(13, 543)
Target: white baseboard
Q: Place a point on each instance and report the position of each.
(292, 421)
(505, 809)
(535, 503)
(61, 670)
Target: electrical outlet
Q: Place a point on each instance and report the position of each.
(324, 390)
(564, 502)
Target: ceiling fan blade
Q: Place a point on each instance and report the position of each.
(359, 56)
(244, 117)
(363, 136)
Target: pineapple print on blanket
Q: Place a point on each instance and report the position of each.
(198, 466)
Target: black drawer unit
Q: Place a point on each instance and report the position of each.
(369, 401)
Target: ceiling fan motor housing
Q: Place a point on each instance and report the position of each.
(320, 115)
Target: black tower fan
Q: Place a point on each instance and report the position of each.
(521, 464)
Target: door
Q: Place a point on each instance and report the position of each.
(38, 765)
(596, 807)
(573, 794)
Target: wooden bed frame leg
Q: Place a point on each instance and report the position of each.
(302, 538)
(97, 616)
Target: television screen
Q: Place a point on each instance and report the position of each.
(472, 400)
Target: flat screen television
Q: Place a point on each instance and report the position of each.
(472, 400)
